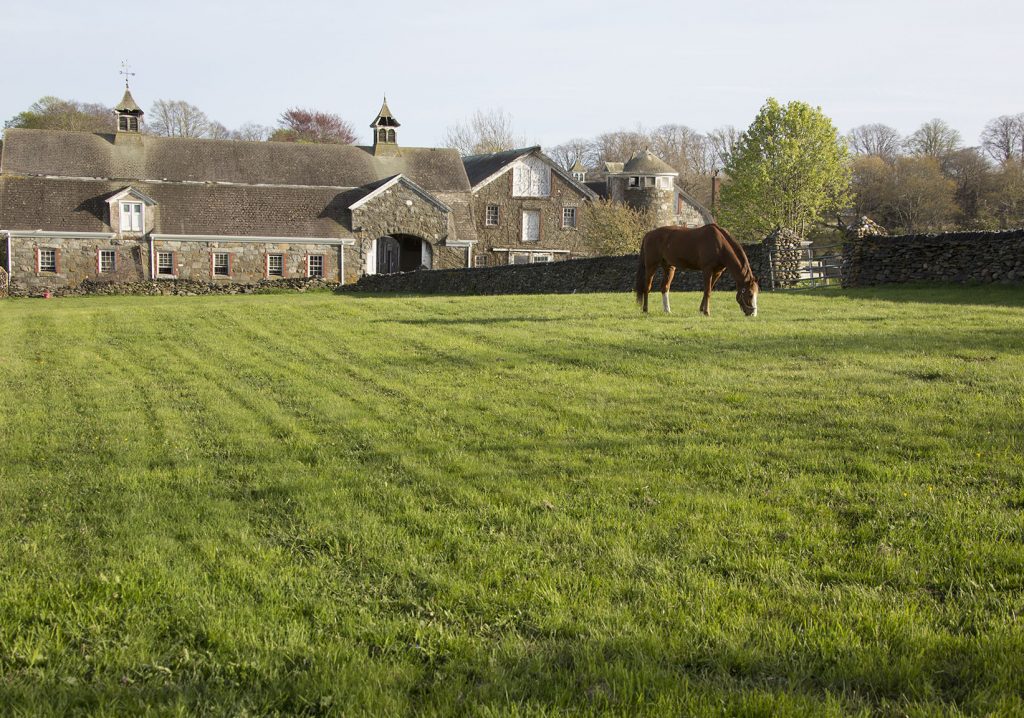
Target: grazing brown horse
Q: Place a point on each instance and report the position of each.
(710, 249)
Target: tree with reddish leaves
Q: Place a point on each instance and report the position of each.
(302, 125)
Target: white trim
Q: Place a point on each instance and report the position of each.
(24, 233)
(531, 250)
(461, 243)
(400, 178)
(140, 196)
(347, 241)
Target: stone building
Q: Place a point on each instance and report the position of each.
(648, 183)
(130, 206)
(527, 208)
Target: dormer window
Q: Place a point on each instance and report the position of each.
(128, 211)
(579, 176)
(131, 217)
(641, 182)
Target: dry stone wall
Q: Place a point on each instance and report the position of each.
(597, 274)
(953, 257)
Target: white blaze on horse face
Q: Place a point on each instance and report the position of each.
(753, 302)
(664, 303)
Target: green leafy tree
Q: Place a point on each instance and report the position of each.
(789, 169)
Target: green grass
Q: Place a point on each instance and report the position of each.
(342, 505)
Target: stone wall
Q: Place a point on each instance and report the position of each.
(952, 257)
(785, 248)
(598, 274)
(180, 287)
(400, 210)
(78, 262)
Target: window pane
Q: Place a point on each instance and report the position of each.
(165, 263)
(221, 264)
(106, 261)
(47, 260)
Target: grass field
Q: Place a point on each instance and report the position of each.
(342, 505)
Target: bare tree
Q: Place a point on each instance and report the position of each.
(1003, 138)
(53, 113)
(620, 145)
(934, 138)
(875, 139)
(484, 132)
(302, 125)
(722, 144)
(252, 132)
(568, 153)
(177, 118)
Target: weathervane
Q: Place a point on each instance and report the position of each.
(124, 71)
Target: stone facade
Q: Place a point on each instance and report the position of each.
(77, 260)
(500, 243)
(952, 257)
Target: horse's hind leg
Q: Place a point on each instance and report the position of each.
(669, 272)
(648, 281)
(710, 279)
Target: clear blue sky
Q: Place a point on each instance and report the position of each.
(561, 69)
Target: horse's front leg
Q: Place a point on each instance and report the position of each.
(670, 272)
(709, 284)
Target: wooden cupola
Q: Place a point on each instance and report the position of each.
(384, 134)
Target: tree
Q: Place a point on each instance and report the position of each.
(53, 113)
(611, 229)
(483, 133)
(722, 142)
(934, 138)
(788, 170)
(252, 132)
(921, 197)
(974, 183)
(1008, 194)
(875, 139)
(1003, 138)
(302, 125)
(177, 118)
(567, 153)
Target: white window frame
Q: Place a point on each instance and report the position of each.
(309, 265)
(51, 268)
(569, 211)
(159, 271)
(488, 222)
(227, 265)
(541, 258)
(280, 270)
(482, 260)
(512, 257)
(100, 253)
(135, 212)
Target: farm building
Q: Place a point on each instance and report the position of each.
(129, 206)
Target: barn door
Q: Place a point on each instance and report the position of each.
(531, 225)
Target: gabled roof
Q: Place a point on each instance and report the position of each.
(55, 153)
(399, 179)
(141, 196)
(481, 169)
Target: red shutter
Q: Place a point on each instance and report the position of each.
(212, 275)
(56, 260)
(231, 256)
(174, 264)
(38, 268)
(266, 265)
(284, 265)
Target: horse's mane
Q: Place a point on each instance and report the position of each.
(741, 253)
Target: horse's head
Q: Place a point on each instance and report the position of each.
(747, 298)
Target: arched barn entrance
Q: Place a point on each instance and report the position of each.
(403, 253)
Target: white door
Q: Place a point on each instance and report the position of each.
(371, 257)
(531, 225)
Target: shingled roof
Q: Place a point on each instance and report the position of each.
(56, 153)
(480, 167)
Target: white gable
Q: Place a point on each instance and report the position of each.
(531, 177)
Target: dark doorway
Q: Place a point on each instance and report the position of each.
(403, 253)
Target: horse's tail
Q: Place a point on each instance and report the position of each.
(741, 253)
(641, 274)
